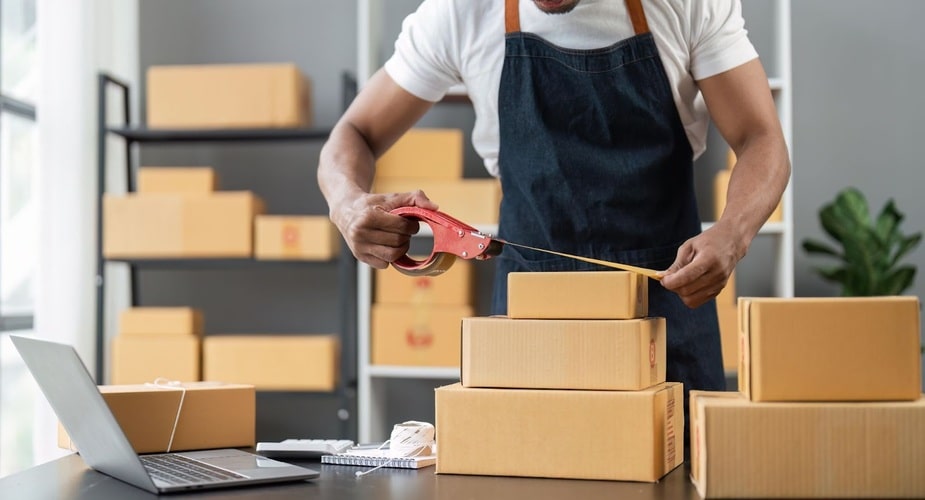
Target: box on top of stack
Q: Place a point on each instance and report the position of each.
(575, 391)
(831, 403)
(157, 342)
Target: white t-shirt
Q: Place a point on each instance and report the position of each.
(450, 42)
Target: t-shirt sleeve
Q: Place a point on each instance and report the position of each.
(719, 41)
(426, 57)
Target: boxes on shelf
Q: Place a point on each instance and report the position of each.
(473, 201)
(830, 349)
(139, 358)
(416, 335)
(728, 294)
(425, 153)
(616, 435)
(177, 226)
(212, 415)
(729, 334)
(160, 321)
(563, 354)
(177, 180)
(228, 96)
(744, 449)
(454, 287)
(721, 187)
(273, 362)
(291, 237)
(577, 295)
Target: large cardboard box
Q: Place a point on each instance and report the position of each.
(212, 415)
(424, 153)
(743, 449)
(617, 435)
(729, 334)
(177, 180)
(577, 295)
(290, 237)
(160, 321)
(473, 201)
(416, 335)
(138, 358)
(152, 226)
(273, 362)
(612, 355)
(228, 96)
(830, 349)
(453, 287)
(721, 187)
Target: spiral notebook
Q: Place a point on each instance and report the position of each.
(376, 458)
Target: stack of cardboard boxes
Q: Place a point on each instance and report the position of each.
(157, 342)
(569, 385)
(830, 403)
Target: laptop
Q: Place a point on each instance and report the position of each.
(87, 419)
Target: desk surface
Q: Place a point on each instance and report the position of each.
(69, 478)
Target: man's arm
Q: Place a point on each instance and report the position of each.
(742, 108)
(380, 114)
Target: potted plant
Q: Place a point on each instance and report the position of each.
(871, 250)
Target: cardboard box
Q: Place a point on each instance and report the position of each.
(138, 358)
(416, 335)
(742, 449)
(228, 96)
(212, 416)
(290, 237)
(721, 187)
(616, 435)
(830, 349)
(617, 355)
(452, 288)
(424, 153)
(164, 226)
(177, 180)
(577, 295)
(473, 201)
(273, 362)
(728, 294)
(729, 334)
(160, 321)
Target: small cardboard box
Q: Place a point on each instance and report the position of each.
(743, 449)
(424, 153)
(616, 435)
(452, 288)
(138, 358)
(152, 226)
(830, 349)
(577, 295)
(228, 96)
(416, 335)
(212, 415)
(617, 355)
(473, 201)
(721, 187)
(729, 334)
(177, 180)
(728, 294)
(273, 362)
(160, 321)
(290, 237)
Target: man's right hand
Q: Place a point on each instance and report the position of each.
(374, 235)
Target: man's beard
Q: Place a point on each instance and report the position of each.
(556, 6)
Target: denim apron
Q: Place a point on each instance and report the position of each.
(595, 161)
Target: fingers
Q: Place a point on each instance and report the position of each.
(699, 272)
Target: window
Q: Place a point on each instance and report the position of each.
(18, 225)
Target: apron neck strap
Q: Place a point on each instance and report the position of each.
(637, 16)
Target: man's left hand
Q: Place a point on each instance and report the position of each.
(703, 265)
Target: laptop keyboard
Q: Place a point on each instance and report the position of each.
(178, 470)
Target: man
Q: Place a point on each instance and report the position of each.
(591, 112)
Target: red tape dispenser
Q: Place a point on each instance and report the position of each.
(452, 239)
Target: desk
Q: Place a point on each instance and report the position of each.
(69, 478)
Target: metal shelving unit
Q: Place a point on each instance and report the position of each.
(139, 135)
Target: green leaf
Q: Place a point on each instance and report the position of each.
(906, 246)
(888, 222)
(853, 204)
(898, 281)
(813, 246)
(833, 274)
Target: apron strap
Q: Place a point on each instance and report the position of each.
(511, 16)
(637, 16)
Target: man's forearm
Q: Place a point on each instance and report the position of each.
(346, 166)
